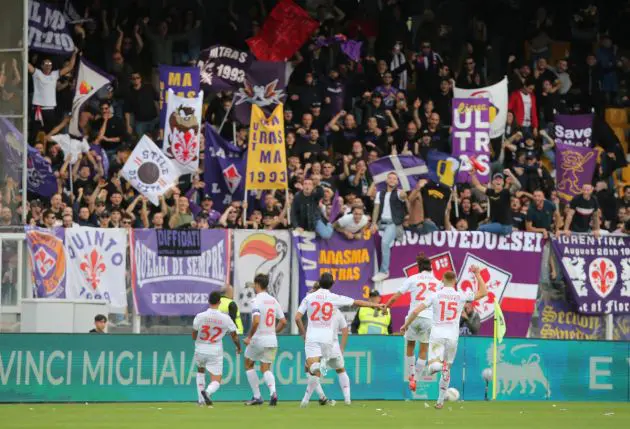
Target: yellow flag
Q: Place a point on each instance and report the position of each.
(266, 151)
(499, 322)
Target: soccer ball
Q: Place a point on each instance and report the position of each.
(487, 374)
(452, 394)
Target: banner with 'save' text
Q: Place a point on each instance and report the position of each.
(597, 271)
(351, 262)
(574, 130)
(471, 137)
(266, 151)
(184, 81)
(177, 286)
(509, 264)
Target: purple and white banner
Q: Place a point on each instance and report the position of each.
(558, 320)
(471, 137)
(409, 169)
(597, 271)
(509, 264)
(48, 29)
(574, 130)
(41, 179)
(177, 286)
(223, 68)
(184, 81)
(575, 167)
(47, 261)
(264, 85)
(351, 262)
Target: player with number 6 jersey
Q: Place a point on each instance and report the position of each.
(262, 343)
(421, 287)
(320, 308)
(446, 305)
(209, 328)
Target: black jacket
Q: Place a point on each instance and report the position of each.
(305, 210)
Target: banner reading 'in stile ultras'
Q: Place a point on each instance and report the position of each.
(266, 159)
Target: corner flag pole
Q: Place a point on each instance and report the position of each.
(494, 361)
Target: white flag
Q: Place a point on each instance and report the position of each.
(149, 170)
(498, 96)
(96, 260)
(89, 81)
(182, 130)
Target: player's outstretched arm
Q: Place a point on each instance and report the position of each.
(393, 299)
(361, 303)
(482, 289)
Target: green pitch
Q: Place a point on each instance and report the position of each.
(363, 415)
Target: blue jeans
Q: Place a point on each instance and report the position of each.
(146, 127)
(496, 228)
(427, 227)
(324, 230)
(388, 236)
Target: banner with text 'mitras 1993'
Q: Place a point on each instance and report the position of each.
(509, 264)
(471, 137)
(597, 271)
(177, 286)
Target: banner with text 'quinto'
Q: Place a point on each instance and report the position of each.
(177, 286)
(266, 151)
(509, 264)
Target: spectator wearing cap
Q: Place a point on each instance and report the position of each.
(499, 197)
(523, 103)
(100, 325)
(352, 225)
(372, 321)
(305, 212)
(583, 215)
(141, 107)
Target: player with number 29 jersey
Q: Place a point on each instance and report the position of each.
(319, 308)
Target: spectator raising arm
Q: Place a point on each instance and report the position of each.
(68, 68)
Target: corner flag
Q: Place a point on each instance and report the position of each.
(499, 333)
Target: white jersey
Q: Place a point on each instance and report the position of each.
(421, 286)
(211, 327)
(269, 310)
(447, 305)
(339, 323)
(319, 307)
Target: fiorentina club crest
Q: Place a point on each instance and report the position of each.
(44, 262)
(48, 260)
(440, 263)
(183, 142)
(496, 279)
(92, 266)
(602, 273)
(232, 178)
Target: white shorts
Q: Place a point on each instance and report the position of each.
(320, 350)
(259, 353)
(212, 363)
(442, 350)
(335, 361)
(419, 330)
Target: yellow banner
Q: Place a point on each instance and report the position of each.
(266, 151)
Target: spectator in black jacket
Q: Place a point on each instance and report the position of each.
(305, 212)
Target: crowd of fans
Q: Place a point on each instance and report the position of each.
(340, 115)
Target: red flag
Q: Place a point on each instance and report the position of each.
(284, 31)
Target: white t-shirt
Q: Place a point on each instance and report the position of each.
(386, 214)
(319, 307)
(527, 104)
(447, 305)
(269, 310)
(211, 327)
(347, 223)
(71, 147)
(421, 286)
(45, 88)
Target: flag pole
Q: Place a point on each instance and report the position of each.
(494, 361)
(226, 114)
(454, 192)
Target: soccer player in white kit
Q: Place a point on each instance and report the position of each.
(447, 305)
(262, 343)
(320, 308)
(421, 287)
(209, 328)
(336, 361)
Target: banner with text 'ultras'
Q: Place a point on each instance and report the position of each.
(266, 159)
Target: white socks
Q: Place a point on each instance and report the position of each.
(201, 383)
(213, 387)
(313, 384)
(411, 364)
(254, 383)
(435, 367)
(270, 380)
(444, 382)
(318, 388)
(420, 364)
(344, 383)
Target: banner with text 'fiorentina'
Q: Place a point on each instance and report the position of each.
(597, 271)
(177, 286)
(509, 264)
(351, 262)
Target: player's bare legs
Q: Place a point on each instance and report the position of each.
(411, 364)
(201, 385)
(344, 384)
(254, 383)
(215, 383)
(314, 366)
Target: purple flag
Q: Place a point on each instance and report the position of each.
(177, 286)
(104, 160)
(48, 29)
(509, 264)
(264, 86)
(327, 41)
(184, 81)
(47, 256)
(471, 137)
(41, 179)
(352, 49)
(335, 208)
(12, 142)
(224, 172)
(574, 130)
(351, 262)
(223, 68)
(558, 320)
(597, 271)
(410, 169)
(574, 168)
